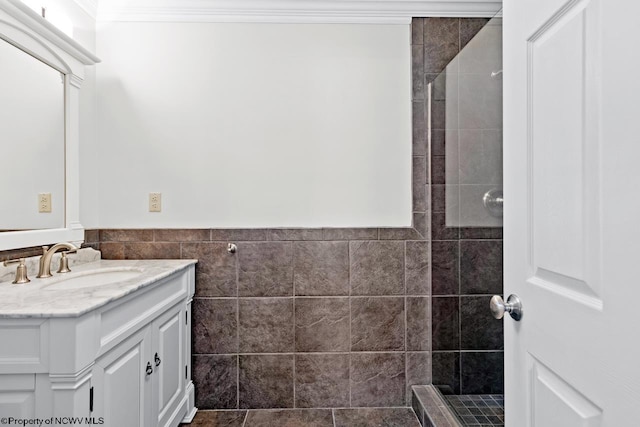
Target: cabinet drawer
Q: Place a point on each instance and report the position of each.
(139, 308)
(28, 350)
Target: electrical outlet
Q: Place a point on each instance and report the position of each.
(155, 202)
(44, 202)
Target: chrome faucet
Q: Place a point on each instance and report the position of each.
(47, 254)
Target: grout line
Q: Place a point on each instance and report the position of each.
(293, 326)
(406, 326)
(429, 196)
(238, 381)
(246, 415)
(333, 416)
(341, 353)
(468, 351)
(294, 381)
(461, 295)
(350, 321)
(343, 297)
(459, 255)
(339, 296)
(237, 259)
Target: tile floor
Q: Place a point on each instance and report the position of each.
(364, 417)
(485, 410)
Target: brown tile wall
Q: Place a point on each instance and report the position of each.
(299, 318)
(321, 317)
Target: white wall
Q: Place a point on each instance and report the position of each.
(253, 125)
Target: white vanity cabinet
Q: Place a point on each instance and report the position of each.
(126, 363)
(141, 381)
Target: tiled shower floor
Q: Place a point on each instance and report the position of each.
(383, 417)
(486, 410)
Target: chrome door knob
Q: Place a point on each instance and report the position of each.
(513, 306)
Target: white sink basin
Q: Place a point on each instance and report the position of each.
(92, 278)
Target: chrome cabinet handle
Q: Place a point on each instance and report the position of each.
(513, 306)
(157, 360)
(149, 368)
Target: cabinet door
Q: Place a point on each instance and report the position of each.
(17, 396)
(121, 384)
(168, 358)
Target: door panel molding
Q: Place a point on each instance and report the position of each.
(555, 400)
(563, 106)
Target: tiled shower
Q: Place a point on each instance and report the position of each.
(341, 318)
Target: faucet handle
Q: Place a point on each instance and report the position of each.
(64, 262)
(21, 271)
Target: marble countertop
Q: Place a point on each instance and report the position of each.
(39, 299)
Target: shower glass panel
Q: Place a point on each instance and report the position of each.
(471, 87)
(466, 185)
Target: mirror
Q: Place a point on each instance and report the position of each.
(45, 154)
(32, 134)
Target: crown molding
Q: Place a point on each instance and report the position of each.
(47, 31)
(89, 6)
(291, 11)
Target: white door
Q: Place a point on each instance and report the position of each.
(572, 212)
